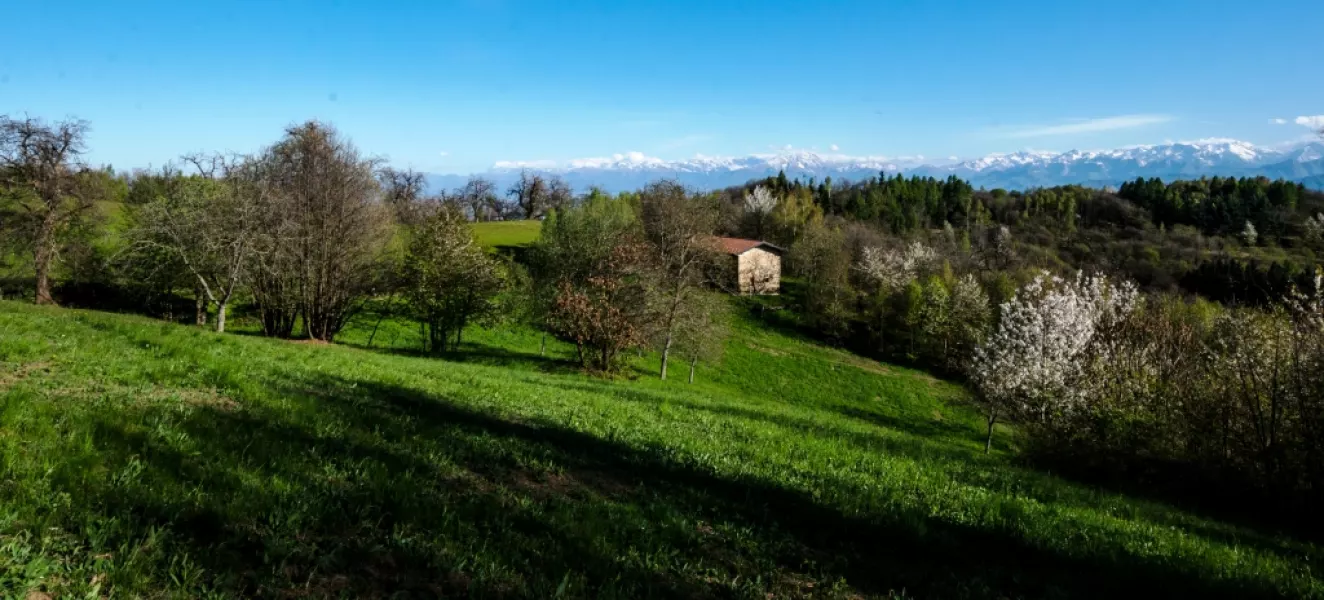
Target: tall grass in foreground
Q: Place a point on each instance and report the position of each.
(147, 459)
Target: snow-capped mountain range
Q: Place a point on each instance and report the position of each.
(1017, 170)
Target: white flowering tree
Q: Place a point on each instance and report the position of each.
(1314, 227)
(1030, 366)
(1248, 234)
(759, 205)
(891, 269)
(886, 272)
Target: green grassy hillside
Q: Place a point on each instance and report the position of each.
(498, 234)
(146, 459)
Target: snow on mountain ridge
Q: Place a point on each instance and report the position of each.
(1207, 150)
(793, 160)
(1013, 170)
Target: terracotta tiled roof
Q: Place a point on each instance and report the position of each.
(737, 246)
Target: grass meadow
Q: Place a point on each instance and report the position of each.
(146, 459)
(507, 234)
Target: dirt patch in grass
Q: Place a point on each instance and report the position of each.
(766, 350)
(865, 365)
(10, 377)
(567, 484)
(210, 397)
(547, 485)
(308, 342)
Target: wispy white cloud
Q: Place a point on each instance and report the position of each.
(1278, 121)
(444, 154)
(1313, 122)
(1088, 126)
(834, 148)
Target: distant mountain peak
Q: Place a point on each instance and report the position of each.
(1302, 161)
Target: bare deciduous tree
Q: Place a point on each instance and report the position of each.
(41, 166)
(325, 229)
(209, 164)
(701, 331)
(403, 191)
(679, 229)
(559, 194)
(530, 193)
(480, 199)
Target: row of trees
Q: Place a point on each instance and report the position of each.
(300, 226)
(308, 230)
(904, 205)
(1201, 236)
(532, 196)
(1093, 372)
(1221, 205)
(1086, 365)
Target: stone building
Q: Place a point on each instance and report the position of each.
(757, 266)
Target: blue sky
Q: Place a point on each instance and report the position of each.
(457, 86)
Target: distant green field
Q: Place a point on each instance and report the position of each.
(497, 234)
(145, 459)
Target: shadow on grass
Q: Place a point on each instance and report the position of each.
(520, 253)
(492, 355)
(478, 353)
(924, 426)
(911, 447)
(1189, 488)
(359, 488)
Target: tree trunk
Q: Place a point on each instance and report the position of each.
(694, 361)
(220, 315)
(988, 442)
(542, 348)
(459, 337)
(666, 354)
(199, 307)
(44, 256)
(374, 329)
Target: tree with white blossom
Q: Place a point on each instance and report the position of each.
(759, 205)
(1249, 234)
(1314, 227)
(891, 269)
(885, 274)
(1030, 366)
